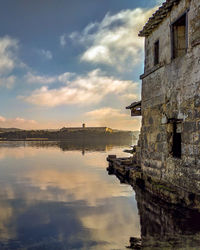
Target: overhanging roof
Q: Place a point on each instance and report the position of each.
(158, 17)
(135, 108)
(133, 105)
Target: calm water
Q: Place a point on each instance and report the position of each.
(59, 196)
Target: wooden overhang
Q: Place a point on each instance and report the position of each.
(135, 108)
(158, 17)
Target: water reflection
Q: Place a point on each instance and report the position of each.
(28, 147)
(164, 226)
(53, 197)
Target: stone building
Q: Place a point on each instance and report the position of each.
(170, 107)
(92, 129)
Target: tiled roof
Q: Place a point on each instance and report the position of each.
(158, 17)
(134, 104)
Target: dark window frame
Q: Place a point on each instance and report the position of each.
(177, 140)
(173, 56)
(175, 137)
(156, 52)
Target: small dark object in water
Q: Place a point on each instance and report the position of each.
(130, 151)
(135, 243)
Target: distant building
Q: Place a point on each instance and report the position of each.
(95, 129)
(169, 146)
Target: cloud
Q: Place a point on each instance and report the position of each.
(45, 79)
(22, 120)
(18, 122)
(114, 118)
(114, 41)
(8, 49)
(66, 77)
(81, 90)
(31, 78)
(106, 113)
(46, 54)
(9, 61)
(159, 2)
(63, 40)
(7, 82)
(2, 119)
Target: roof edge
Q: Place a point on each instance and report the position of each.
(134, 104)
(158, 17)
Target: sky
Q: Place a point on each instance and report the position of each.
(64, 63)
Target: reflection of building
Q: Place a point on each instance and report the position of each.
(83, 151)
(170, 106)
(164, 226)
(82, 146)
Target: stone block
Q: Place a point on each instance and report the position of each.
(186, 137)
(196, 138)
(190, 161)
(189, 127)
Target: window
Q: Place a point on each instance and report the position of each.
(179, 36)
(176, 144)
(156, 52)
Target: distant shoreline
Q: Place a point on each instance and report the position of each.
(89, 134)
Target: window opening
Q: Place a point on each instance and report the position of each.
(156, 52)
(176, 146)
(179, 36)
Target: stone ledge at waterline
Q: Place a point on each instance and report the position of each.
(130, 173)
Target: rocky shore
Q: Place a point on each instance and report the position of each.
(131, 173)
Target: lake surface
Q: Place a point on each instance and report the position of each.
(59, 196)
(56, 195)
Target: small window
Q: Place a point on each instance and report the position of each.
(156, 53)
(179, 37)
(176, 146)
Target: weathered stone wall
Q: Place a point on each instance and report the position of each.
(172, 91)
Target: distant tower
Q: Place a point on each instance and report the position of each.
(83, 125)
